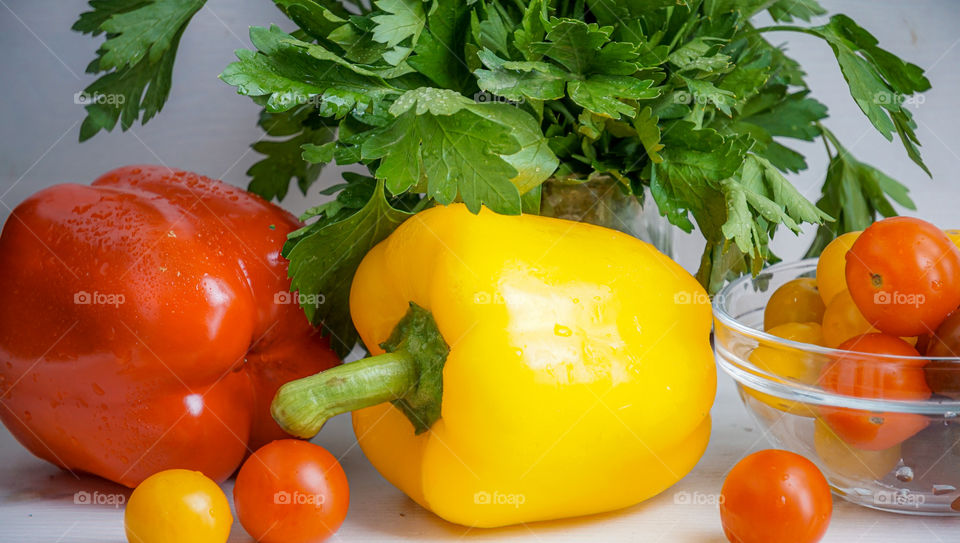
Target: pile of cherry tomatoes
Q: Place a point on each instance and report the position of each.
(890, 291)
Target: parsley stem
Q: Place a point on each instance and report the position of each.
(787, 28)
(823, 137)
(683, 32)
(559, 107)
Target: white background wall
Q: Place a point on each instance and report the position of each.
(207, 128)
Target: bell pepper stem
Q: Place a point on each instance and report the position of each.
(302, 407)
(409, 375)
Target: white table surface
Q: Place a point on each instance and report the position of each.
(37, 502)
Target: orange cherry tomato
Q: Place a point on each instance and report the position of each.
(904, 275)
(842, 320)
(860, 375)
(291, 491)
(775, 496)
(832, 265)
(795, 301)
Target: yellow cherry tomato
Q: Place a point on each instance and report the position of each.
(842, 321)
(792, 364)
(844, 459)
(831, 268)
(178, 506)
(794, 301)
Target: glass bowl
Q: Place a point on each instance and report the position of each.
(892, 455)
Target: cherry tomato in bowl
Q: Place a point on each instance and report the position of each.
(795, 301)
(832, 265)
(291, 491)
(897, 376)
(904, 275)
(943, 376)
(842, 320)
(790, 364)
(843, 459)
(775, 496)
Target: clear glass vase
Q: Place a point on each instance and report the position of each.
(601, 201)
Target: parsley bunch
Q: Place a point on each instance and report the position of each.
(482, 101)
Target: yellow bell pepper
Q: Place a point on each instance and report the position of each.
(574, 362)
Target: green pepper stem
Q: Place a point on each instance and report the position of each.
(302, 407)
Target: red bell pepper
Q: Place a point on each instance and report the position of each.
(145, 324)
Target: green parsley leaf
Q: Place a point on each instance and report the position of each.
(90, 22)
(855, 194)
(458, 153)
(648, 132)
(439, 53)
(597, 74)
(783, 157)
(292, 72)
(359, 46)
(760, 190)
(786, 10)
(138, 57)
(782, 191)
(734, 196)
(694, 163)
(794, 116)
(319, 154)
(604, 94)
(325, 256)
(610, 12)
(533, 28)
(492, 32)
(705, 92)
(520, 80)
(136, 35)
(700, 55)
(271, 176)
(580, 48)
(318, 18)
(535, 161)
(776, 112)
(351, 196)
(722, 262)
(403, 19)
(740, 226)
(879, 81)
